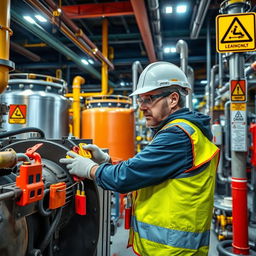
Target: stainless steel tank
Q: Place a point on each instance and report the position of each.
(36, 101)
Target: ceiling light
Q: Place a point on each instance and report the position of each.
(203, 82)
(168, 9)
(181, 8)
(91, 61)
(169, 49)
(85, 61)
(41, 18)
(29, 19)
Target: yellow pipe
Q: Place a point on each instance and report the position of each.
(27, 45)
(104, 67)
(5, 33)
(236, 1)
(77, 81)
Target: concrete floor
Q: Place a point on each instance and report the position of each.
(119, 242)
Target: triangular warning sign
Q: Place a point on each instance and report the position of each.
(238, 91)
(236, 32)
(17, 114)
(238, 116)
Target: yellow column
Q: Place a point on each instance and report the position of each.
(104, 67)
(78, 80)
(5, 33)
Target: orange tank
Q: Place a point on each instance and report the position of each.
(109, 122)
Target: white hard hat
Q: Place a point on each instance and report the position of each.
(161, 74)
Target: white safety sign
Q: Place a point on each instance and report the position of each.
(238, 127)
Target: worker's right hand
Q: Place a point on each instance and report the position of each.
(98, 155)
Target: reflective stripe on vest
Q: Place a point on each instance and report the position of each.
(170, 237)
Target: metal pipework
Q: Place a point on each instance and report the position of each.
(8, 159)
(238, 164)
(250, 69)
(71, 31)
(76, 86)
(227, 130)
(199, 19)
(136, 68)
(182, 48)
(5, 33)
(23, 51)
(214, 70)
(55, 44)
(141, 16)
(156, 25)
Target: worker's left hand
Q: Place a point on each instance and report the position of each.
(78, 165)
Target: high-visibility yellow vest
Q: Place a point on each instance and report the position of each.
(174, 217)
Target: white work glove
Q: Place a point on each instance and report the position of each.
(98, 155)
(78, 165)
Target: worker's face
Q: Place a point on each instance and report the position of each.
(157, 105)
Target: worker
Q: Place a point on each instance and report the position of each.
(172, 178)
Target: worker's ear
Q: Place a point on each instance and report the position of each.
(173, 99)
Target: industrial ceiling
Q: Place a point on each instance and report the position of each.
(69, 43)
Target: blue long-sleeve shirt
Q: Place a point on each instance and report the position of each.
(169, 155)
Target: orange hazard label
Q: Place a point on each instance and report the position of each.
(17, 114)
(238, 90)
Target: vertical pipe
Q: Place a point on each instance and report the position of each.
(212, 89)
(182, 48)
(5, 33)
(104, 67)
(208, 63)
(136, 67)
(76, 86)
(238, 164)
(221, 70)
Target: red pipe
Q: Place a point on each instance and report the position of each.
(141, 16)
(98, 10)
(240, 216)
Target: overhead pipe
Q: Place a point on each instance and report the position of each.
(56, 44)
(23, 51)
(182, 48)
(64, 29)
(156, 24)
(141, 16)
(199, 19)
(78, 31)
(5, 32)
(69, 28)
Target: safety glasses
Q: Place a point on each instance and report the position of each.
(149, 99)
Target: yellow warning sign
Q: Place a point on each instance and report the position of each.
(235, 32)
(17, 114)
(238, 90)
